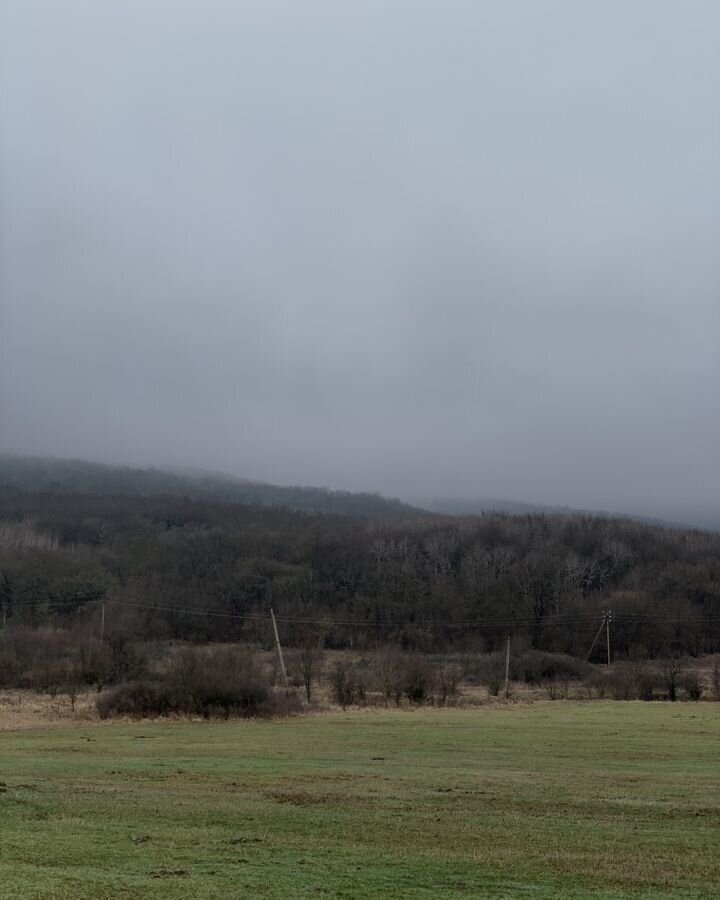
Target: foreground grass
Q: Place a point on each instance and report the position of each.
(601, 800)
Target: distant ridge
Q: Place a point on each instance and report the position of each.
(30, 474)
(51, 475)
(457, 506)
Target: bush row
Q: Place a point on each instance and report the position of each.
(159, 679)
(216, 681)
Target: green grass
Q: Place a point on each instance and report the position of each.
(554, 800)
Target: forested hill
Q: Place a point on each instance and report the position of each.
(191, 568)
(20, 474)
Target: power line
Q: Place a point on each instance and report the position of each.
(561, 620)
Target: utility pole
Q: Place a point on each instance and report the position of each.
(507, 668)
(279, 649)
(102, 622)
(608, 620)
(599, 632)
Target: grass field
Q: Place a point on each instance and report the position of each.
(553, 800)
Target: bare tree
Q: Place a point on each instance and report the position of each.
(449, 676)
(671, 670)
(310, 655)
(692, 684)
(72, 689)
(386, 674)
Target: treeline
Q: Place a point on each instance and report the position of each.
(166, 567)
(156, 678)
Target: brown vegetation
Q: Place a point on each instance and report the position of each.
(221, 681)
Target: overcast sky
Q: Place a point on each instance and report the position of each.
(427, 248)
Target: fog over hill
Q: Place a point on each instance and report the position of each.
(456, 506)
(432, 250)
(42, 475)
(22, 474)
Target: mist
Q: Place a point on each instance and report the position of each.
(431, 249)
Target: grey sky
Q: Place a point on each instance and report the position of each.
(428, 248)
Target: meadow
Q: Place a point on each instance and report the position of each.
(548, 800)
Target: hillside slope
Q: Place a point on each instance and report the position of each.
(22, 474)
(175, 567)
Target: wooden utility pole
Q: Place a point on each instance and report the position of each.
(507, 667)
(595, 639)
(102, 622)
(279, 648)
(608, 620)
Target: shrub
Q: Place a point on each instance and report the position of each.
(216, 681)
(670, 672)
(596, 685)
(349, 684)
(536, 667)
(692, 684)
(449, 677)
(96, 663)
(341, 682)
(622, 684)
(647, 683)
(9, 666)
(125, 661)
(386, 674)
(556, 688)
(34, 659)
(137, 698)
(489, 671)
(417, 679)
